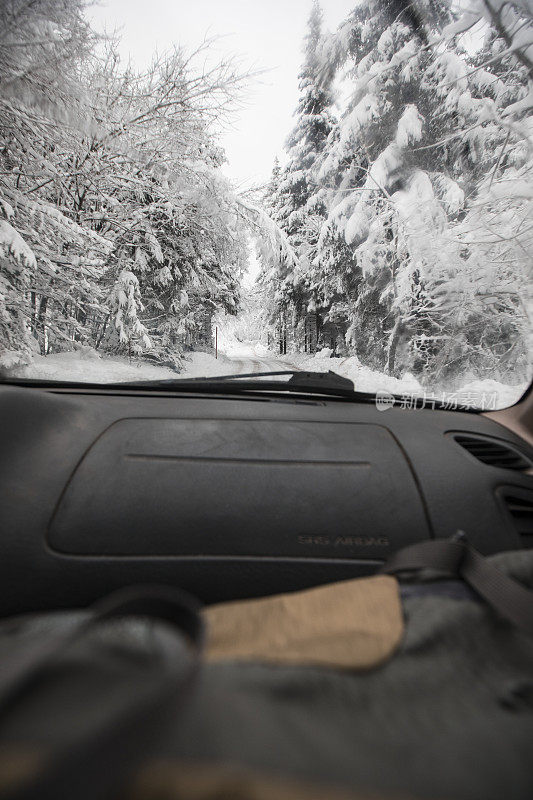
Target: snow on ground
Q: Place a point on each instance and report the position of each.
(234, 348)
(205, 365)
(364, 379)
(87, 366)
(505, 395)
(486, 394)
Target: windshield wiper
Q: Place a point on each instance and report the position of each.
(302, 383)
(327, 383)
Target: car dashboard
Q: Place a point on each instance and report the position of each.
(231, 497)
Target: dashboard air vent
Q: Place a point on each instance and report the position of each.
(493, 452)
(519, 504)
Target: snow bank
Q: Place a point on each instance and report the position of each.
(87, 366)
(500, 394)
(12, 359)
(487, 394)
(364, 379)
(80, 366)
(205, 365)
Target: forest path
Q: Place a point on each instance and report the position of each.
(247, 366)
(249, 362)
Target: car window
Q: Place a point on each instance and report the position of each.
(236, 187)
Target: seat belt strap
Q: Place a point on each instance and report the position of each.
(455, 557)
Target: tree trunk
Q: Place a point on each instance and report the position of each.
(40, 323)
(393, 345)
(33, 321)
(99, 341)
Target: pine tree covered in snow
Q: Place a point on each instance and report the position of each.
(126, 333)
(292, 199)
(308, 138)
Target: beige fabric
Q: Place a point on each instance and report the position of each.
(354, 624)
(177, 781)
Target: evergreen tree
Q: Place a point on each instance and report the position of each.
(126, 333)
(292, 198)
(306, 142)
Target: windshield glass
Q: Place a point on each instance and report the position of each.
(229, 187)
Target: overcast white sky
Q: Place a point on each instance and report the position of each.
(266, 33)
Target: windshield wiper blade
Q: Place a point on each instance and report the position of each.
(330, 379)
(328, 383)
(298, 378)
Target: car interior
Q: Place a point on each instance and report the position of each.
(266, 400)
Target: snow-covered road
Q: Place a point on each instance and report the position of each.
(248, 366)
(249, 359)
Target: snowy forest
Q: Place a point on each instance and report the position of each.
(408, 210)
(397, 227)
(118, 231)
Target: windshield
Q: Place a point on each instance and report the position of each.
(228, 187)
